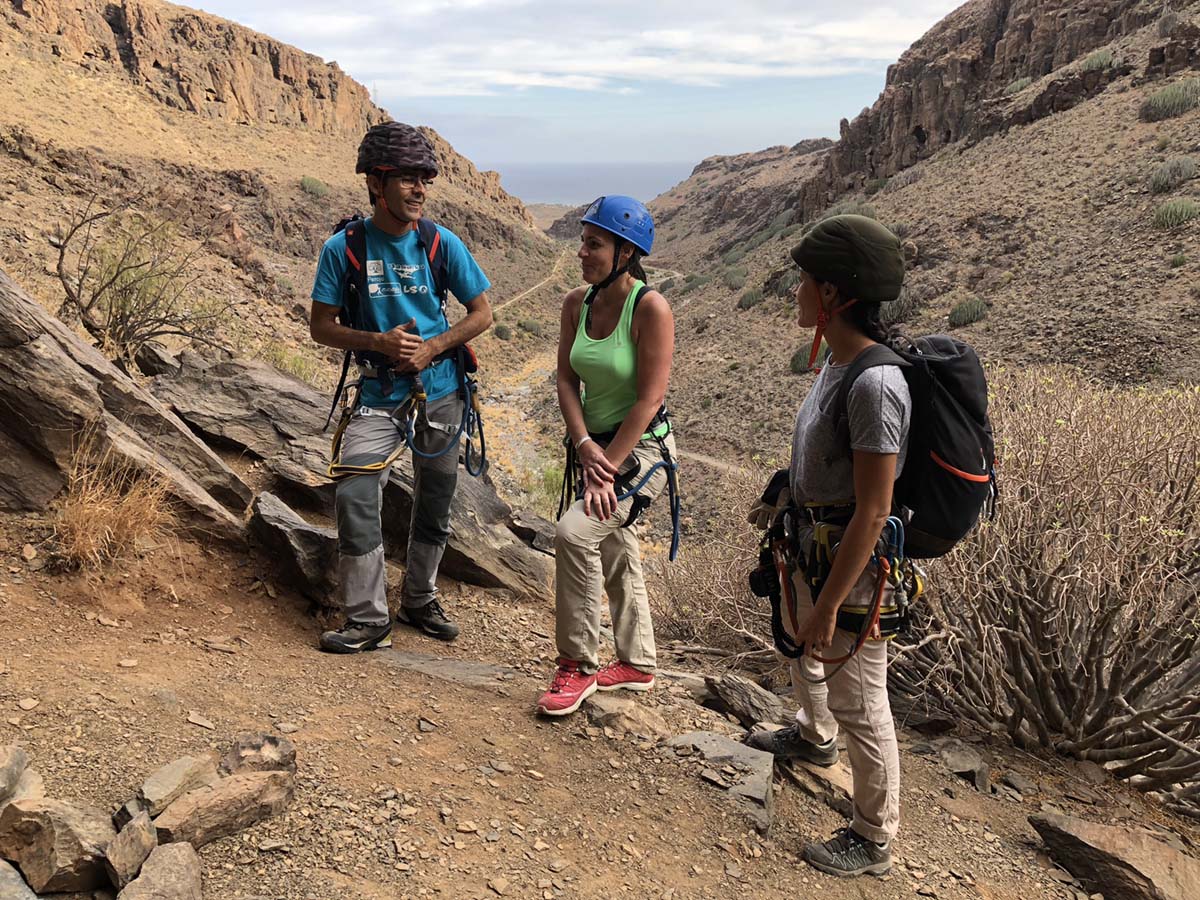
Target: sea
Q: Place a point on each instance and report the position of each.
(577, 183)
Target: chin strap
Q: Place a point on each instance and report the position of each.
(617, 271)
(823, 319)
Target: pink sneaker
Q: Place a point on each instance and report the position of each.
(621, 675)
(569, 688)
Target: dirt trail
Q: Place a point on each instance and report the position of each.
(554, 270)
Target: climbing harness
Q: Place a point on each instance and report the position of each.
(629, 484)
(412, 415)
(782, 553)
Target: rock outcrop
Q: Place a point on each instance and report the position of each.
(58, 847)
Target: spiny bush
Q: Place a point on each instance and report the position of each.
(733, 257)
(314, 187)
(502, 331)
(903, 179)
(1173, 100)
(750, 298)
(798, 364)
(1101, 59)
(1179, 259)
(1174, 172)
(694, 282)
(1176, 212)
(735, 278)
(874, 186)
(1017, 86)
(967, 311)
(109, 509)
(533, 326)
(902, 309)
(667, 285)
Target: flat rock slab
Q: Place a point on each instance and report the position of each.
(260, 753)
(753, 789)
(1121, 863)
(172, 872)
(306, 555)
(460, 671)
(226, 807)
(58, 847)
(174, 780)
(124, 855)
(743, 699)
(832, 785)
(623, 714)
(13, 760)
(12, 885)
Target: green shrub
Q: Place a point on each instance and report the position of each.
(1174, 213)
(1172, 173)
(1017, 86)
(791, 229)
(294, 361)
(1162, 143)
(735, 278)
(750, 298)
(1173, 100)
(1178, 260)
(694, 282)
(314, 187)
(733, 257)
(1101, 59)
(787, 284)
(758, 239)
(533, 326)
(874, 186)
(899, 310)
(799, 361)
(692, 277)
(967, 311)
(911, 175)
(502, 331)
(782, 220)
(900, 229)
(667, 285)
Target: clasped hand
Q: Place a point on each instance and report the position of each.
(405, 347)
(599, 478)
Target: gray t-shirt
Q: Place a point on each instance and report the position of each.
(880, 407)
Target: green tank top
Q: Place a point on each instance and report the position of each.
(608, 369)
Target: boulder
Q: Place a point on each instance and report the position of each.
(124, 855)
(624, 714)
(249, 406)
(260, 753)
(306, 556)
(13, 760)
(224, 808)
(54, 387)
(172, 872)
(743, 699)
(58, 847)
(751, 787)
(1121, 863)
(12, 885)
(960, 759)
(174, 780)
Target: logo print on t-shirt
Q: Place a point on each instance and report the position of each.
(374, 267)
(405, 272)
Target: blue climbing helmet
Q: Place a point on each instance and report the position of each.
(625, 217)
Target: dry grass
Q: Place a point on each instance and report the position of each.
(110, 509)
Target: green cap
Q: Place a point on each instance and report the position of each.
(863, 258)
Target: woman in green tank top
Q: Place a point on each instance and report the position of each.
(614, 361)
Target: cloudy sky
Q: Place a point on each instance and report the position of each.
(532, 81)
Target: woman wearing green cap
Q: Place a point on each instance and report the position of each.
(844, 465)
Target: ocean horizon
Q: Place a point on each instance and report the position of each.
(574, 184)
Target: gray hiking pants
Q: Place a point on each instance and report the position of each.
(370, 437)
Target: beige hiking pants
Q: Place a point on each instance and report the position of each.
(592, 557)
(856, 700)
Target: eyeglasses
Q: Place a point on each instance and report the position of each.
(410, 180)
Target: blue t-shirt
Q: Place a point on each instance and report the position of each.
(400, 285)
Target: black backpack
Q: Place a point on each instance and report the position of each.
(949, 472)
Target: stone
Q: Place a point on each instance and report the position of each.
(305, 555)
(127, 813)
(965, 762)
(57, 846)
(460, 671)
(172, 872)
(832, 785)
(751, 789)
(231, 804)
(196, 719)
(13, 760)
(152, 358)
(29, 787)
(124, 855)
(260, 753)
(25, 704)
(12, 885)
(174, 780)
(623, 714)
(1020, 783)
(743, 699)
(1121, 863)
(55, 386)
(1092, 772)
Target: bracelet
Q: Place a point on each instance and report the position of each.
(583, 440)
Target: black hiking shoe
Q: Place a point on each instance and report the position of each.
(429, 619)
(786, 743)
(354, 637)
(848, 854)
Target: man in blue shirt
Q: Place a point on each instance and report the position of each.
(414, 333)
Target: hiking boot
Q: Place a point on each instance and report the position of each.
(847, 854)
(429, 619)
(619, 675)
(354, 637)
(787, 743)
(569, 688)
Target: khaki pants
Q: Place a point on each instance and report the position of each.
(592, 557)
(856, 700)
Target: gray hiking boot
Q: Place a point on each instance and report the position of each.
(429, 619)
(787, 743)
(354, 637)
(847, 854)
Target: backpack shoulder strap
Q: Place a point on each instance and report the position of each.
(642, 292)
(356, 274)
(435, 254)
(877, 355)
